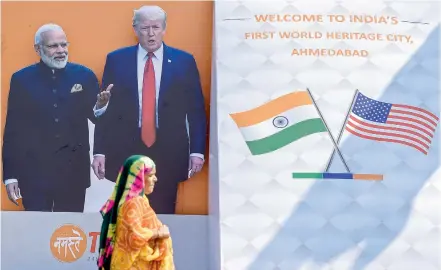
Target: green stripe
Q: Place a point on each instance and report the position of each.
(307, 175)
(286, 136)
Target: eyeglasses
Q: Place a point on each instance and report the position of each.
(55, 46)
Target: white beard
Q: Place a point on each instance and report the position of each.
(52, 62)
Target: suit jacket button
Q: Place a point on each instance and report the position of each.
(56, 119)
(54, 90)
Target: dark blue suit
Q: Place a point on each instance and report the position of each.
(46, 137)
(118, 135)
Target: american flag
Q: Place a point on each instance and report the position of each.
(386, 122)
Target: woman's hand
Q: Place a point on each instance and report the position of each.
(163, 232)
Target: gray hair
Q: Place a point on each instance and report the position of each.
(150, 12)
(43, 29)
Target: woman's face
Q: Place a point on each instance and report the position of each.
(150, 180)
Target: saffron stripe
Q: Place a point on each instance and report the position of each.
(378, 177)
(286, 136)
(350, 176)
(271, 109)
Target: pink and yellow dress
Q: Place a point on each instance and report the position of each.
(129, 222)
(134, 248)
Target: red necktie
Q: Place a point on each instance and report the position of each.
(148, 116)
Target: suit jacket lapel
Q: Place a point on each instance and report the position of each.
(132, 71)
(166, 74)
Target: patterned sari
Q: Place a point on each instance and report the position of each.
(128, 224)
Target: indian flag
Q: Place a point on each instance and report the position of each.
(279, 122)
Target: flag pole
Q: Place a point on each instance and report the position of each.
(342, 130)
(329, 132)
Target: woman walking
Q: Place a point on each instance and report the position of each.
(132, 236)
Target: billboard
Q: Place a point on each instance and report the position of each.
(57, 135)
(71, 241)
(328, 134)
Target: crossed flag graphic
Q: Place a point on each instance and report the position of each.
(296, 115)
